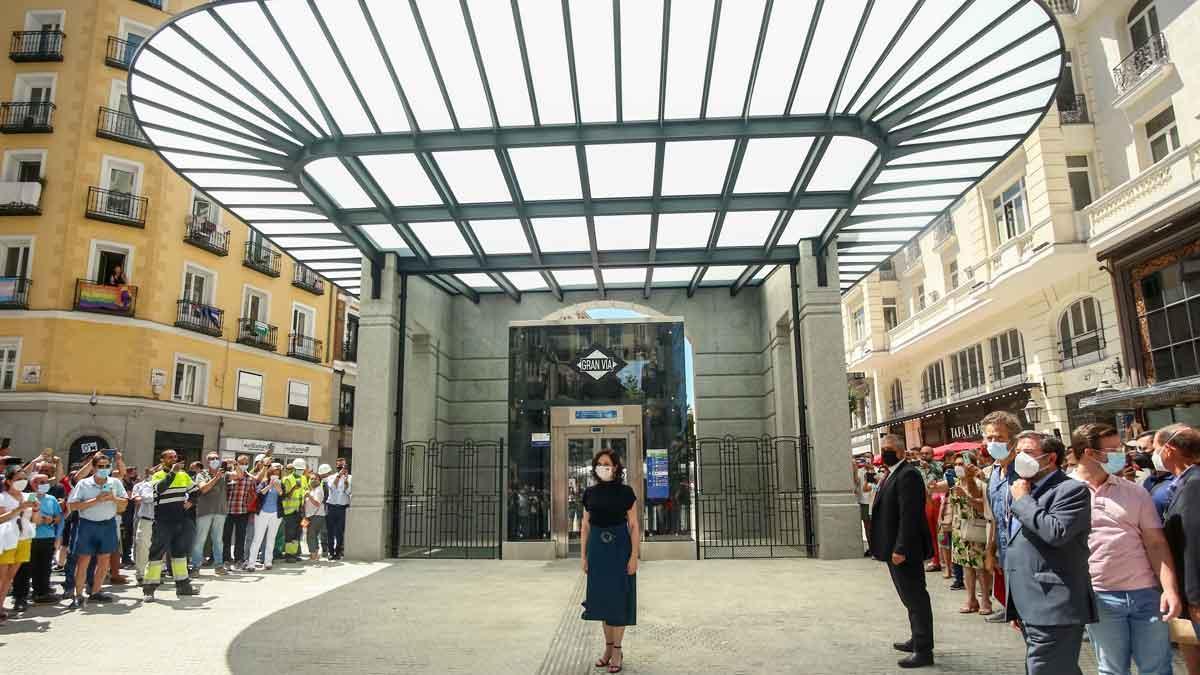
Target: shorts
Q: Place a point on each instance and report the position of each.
(96, 537)
(17, 555)
(864, 511)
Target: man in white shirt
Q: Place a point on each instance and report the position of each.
(143, 496)
(340, 487)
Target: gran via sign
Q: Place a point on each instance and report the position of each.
(597, 362)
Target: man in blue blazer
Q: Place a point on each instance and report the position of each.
(1050, 597)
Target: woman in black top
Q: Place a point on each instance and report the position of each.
(610, 558)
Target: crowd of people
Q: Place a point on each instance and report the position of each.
(169, 521)
(1097, 540)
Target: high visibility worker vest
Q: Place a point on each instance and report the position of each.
(170, 498)
(293, 498)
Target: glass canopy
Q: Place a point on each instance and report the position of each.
(512, 146)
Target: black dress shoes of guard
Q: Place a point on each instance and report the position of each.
(903, 646)
(916, 660)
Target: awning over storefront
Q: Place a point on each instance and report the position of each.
(958, 405)
(1185, 390)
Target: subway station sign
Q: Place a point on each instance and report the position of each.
(597, 362)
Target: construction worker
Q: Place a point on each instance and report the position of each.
(172, 528)
(295, 486)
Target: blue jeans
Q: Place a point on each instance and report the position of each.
(209, 525)
(1130, 625)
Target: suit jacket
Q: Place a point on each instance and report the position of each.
(898, 518)
(1046, 566)
(1181, 525)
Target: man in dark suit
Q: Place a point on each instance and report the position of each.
(1177, 449)
(900, 538)
(1050, 596)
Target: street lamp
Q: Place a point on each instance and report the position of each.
(1033, 412)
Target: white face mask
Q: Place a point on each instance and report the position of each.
(214, 463)
(1157, 460)
(1027, 465)
(960, 471)
(19, 485)
(605, 472)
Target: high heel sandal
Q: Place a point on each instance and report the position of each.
(617, 669)
(603, 663)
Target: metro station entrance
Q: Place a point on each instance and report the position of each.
(576, 435)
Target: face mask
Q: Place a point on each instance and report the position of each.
(103, 473)
(1027, 465)
(960, 471)
(1115, 462)
(997, 450)
(1157, 460)
(890, 457)
(243, 466)
(19, 485)
(604, 472)
(214, 463)
(43, 488)
(297, 472)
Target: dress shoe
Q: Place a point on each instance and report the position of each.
(903, 646)
(997, 617)
(916, 660)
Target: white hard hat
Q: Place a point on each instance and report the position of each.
(299, 463)
(324, 469)
(259, 458)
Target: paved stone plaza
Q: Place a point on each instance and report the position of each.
(762, 616)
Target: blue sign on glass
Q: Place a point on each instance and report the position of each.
(595, 414)
(658, 484)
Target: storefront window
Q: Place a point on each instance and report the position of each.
(1170, 319)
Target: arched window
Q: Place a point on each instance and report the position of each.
(897, 396)
(933, 383)
(1008, 355)
(1080, 332)
(966, 370)
(1143, 22)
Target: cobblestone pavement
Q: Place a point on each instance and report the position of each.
(743, 616)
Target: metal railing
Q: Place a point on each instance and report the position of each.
(307, 279)
(1083, 348)
(14, 292)
(1073, 110)
(1141, 61)
(350, 350)
(888, 274)
(118, 300)
(26, 117)
(156, 4)
(933, 397)
(21, 197)
(36, 45)
(304, 347)
(199, 317)
(1064, 6)
(200, 231)
(122, 208)
(943, 230)
(120, 126)
(259, 256)
(257, 334)
(119, 53)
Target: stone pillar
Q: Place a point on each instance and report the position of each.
(824, 362)
(379, 335)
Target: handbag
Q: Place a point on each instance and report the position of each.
(973, 531)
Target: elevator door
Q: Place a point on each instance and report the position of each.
(572, 469)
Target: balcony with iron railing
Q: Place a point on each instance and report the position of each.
(350, 350)
(1067, 7)
(961, 388)
(27, 117)
(1082, 349)
(261, 257)
(119, 53)
(30, 46)
(1140, 64)
(156, 4)
(257, 333)
(912, 258)
(117, 300)
(199, 317)
(304, 347)
(307, 279)
(199, 231)
(943, 232)
(1073, 110)
(120, 126)
(121, 208)
(21, 197)
(14, 292)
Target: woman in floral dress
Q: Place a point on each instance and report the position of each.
(968, 539)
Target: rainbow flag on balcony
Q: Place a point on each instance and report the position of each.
(98, 298)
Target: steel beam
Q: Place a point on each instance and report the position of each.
(633, 258)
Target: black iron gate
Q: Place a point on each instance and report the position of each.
(754, 498)
(449, 505)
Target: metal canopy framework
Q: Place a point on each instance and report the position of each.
(535, 145)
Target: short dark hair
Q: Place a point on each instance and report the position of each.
(618, 467)
(1088, 436)
(1055, 445)
(1002, 418)
(1144, 434)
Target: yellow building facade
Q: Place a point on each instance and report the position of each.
(137, 315)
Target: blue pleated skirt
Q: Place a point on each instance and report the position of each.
(611, 592)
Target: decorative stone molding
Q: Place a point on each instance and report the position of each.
(1126, 198)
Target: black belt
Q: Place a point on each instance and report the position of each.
(145, 518)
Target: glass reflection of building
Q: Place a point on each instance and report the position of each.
(541, 376)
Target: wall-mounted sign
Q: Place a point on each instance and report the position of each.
(158, 377)
(597, 362)
(658, 484)
(539, 440)
(593, 415)
(31, 374)
(252, 446)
